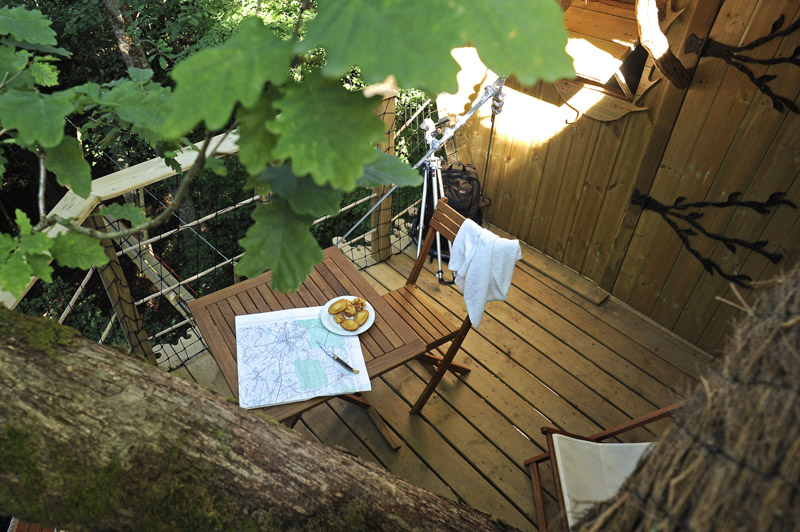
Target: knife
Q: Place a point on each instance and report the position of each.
(337, 359)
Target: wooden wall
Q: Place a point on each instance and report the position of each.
(563, 182)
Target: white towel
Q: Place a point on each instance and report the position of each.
(483, 264)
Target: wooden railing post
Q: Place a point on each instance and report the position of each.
(381, 246)
(119, 294)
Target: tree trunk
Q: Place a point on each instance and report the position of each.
(129, 47)
(92, 439)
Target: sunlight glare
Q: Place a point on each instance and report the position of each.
(524, 118)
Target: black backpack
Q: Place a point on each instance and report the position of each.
(463, 192)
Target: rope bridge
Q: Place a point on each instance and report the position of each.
(151, 277)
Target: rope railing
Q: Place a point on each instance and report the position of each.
(183, 227)
(75, 296)
(219, 229)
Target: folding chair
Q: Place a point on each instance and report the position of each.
(420, 313)
(587, 470)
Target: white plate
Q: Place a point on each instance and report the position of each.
(332, 326)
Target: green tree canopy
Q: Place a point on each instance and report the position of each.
(288, 111)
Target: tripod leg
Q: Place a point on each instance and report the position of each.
(422, 209)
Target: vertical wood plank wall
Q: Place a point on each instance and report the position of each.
(569, 195)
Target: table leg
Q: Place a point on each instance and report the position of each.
(390, 437)
(292, 421)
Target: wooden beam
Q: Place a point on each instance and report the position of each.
(119, 294)
(154, 170)
(119, 183)
(655, 42)
(382, 217)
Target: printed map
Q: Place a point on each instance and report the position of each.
(280, 359)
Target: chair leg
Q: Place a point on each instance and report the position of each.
(538, 496)
(436, 361)
(446, 361)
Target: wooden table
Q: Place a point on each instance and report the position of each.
(389, 343)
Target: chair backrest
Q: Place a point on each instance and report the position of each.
(446, 221)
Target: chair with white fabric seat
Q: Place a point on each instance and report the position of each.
(587, 470)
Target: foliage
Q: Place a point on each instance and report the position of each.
(290, 110)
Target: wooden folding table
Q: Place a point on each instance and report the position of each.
(388, 343)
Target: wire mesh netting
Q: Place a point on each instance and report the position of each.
(140, 299)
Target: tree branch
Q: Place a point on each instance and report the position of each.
(92, 439)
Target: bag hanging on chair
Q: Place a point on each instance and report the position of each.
(463, 192)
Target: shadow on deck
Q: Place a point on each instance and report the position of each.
(559, 352)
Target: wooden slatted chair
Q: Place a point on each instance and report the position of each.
(581, 466)
(418, 310)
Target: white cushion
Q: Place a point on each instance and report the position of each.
(592, 472)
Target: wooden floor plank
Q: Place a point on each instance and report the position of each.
(449, 465)
(595, 328)
(557, 353)
(558, 364)
(479, 451)
(653, 336)
(402, 462)
(544, 406)
(677, 352)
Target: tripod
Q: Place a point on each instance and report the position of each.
(433, 181)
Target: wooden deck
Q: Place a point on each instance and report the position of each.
(559, 352)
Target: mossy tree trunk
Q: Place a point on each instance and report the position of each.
(93, 439)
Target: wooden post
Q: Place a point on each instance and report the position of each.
(382, 216)
(119, 294)
(655, 42)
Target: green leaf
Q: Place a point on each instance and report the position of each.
(142, 105)
(34, 243)
(140, 75)
(326, 131)
(44, 74)
(75, 250)
(36, 117)
(528, 41)
(280, 241)
(217, 166)
(25, 25)
(3, 162)
(43, 48)
(255, 141)
(7, 244)
(388, 170)
(410, 39)
(23, 222)
(86, 94)
(210, 82)
(40, 265)
(125, 211)
(11, 61)
(71, 169)
(15, 275)
(304, 196)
